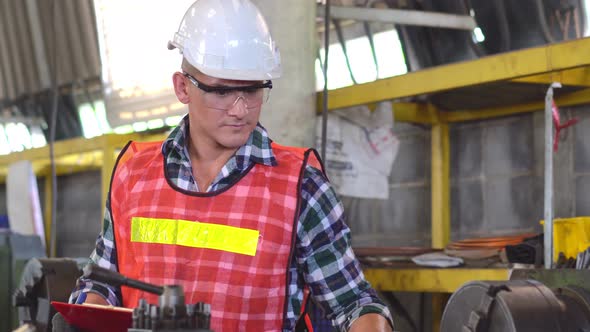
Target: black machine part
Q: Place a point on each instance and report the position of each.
(94, 272)
(171, 313)
(43, 281)
(516, 306)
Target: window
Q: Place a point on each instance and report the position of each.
(93, 118)
(16, 137)
(18, 133)
(94, 121)
(389, 54)
(137, 66)
(338, 75)
(4, 144)
(478, 35)
(361, 60)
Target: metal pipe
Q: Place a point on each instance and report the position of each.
(369, 33)
(548, 214)
(113, 278)
(540, 9)
(342, 42)
(401, 17)
(504, 25)
(325, 99)
(53, 129)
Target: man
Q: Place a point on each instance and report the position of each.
(240, 222)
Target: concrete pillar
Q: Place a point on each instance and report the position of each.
(289, 115)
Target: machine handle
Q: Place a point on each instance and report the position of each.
(95, 272)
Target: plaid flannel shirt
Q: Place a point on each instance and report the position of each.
(323, 256)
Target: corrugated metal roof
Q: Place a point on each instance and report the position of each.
(32, 32)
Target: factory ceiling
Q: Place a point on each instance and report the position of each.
(29, 48)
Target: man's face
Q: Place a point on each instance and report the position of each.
(221, 119)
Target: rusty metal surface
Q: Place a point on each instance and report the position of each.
(516, 305)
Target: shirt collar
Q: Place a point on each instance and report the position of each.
(256, 150)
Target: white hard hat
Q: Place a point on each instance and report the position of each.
(228, 39)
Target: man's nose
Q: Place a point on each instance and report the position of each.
(239, 109)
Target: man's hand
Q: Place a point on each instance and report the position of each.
(95, 299)
(370, 322)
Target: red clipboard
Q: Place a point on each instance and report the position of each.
(95, 318)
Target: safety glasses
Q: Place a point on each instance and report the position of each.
(225, 97)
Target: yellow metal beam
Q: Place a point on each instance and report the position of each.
(68, 164)
(440, 188)
(415, 113)
(72, 155)
(570, 77)
(68, 147)
(429, 280)
(61, 148)
(506, 66)
(570, 99)
(420, 113)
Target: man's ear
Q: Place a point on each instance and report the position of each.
(180, 87)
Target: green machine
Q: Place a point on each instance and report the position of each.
(15, 251)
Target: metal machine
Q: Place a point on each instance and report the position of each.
(517, 306)
(46, 280)
(15, 251)
(43, 281)
(171, 313)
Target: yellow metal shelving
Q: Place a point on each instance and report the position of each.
(566, 62)
(429, 279)
(493, 86)
(74, 156)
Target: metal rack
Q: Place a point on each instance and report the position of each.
(494, 86)
(475, 90)
(74, 156)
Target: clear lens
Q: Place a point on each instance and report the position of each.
(224, 100)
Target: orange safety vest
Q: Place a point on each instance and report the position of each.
(230, 248)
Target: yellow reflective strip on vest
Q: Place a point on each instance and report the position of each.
(194, 234)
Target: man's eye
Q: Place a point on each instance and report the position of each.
(221, 93)
(251, 91)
